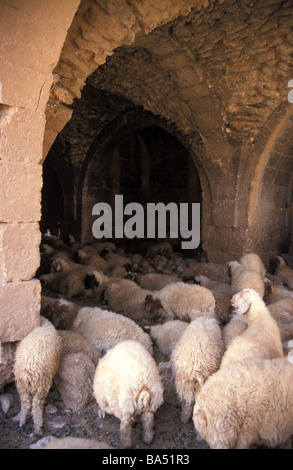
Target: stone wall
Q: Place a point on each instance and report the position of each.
(32, 36)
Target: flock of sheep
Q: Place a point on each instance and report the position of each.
(225, 331)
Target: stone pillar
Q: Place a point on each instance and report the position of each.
(32, 35)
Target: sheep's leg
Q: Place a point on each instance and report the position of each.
(37, 412)
(126, 432)
(186, 410)
(25, 406)
(147, 427)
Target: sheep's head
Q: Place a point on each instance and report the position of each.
(242, 300)
(57, 265)
(279, 261)
(201, 280)
(105, 251)
(64, 314)
(155, 308)
(43, 280)
(231, 265)
(90, 281)
(81, 255)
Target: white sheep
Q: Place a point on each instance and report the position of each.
(94, 260)
(37, 360)
(60, 312)
(235, 327)
(284, 272)
(167, 334)
(73, 342)
(243, 278)
(75, 443)
(182, 301)
(161, 248)
(60, 261)
(154, 281)
(253, 262)
(125, 296)
(247, 403)
(196, 355)
(261, 339)
(223, 310)
(78, 281)
(215, 286)
(113, 260)
(127, 383)
(274, 292)
(104, 247)
(135, 260)
(105, 329)
(282, 312)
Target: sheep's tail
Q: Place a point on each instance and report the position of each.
(144, 399)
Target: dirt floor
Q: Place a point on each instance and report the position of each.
(59, 421)
(170, 433)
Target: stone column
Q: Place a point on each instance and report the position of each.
(32, 35)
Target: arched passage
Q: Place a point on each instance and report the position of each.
(52, 200)
(144, 162)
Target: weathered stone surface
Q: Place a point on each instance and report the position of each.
(20, 309)
(58, 422)
(27, 59)
(57, 116)
(74, 380)
(7, 354)
(20, 191)
(19, 255)
(21, 134)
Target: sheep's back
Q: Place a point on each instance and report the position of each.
(246, 392)
(186, 301)
(121, 375)
(105, 329)
(37, 357)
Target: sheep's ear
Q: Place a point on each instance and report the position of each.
(228, 268)
(104, 252)
(201, 417)
(268, 286)
(148, 302)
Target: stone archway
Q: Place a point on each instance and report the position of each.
(270, 199)
(123, 151)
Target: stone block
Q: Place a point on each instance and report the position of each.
(21, 134)
(20, 254)
(57, 116)
(20, 191)
(21, 86)
(33, 32)
(7, 355)
(49, 139)
(20, 309)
